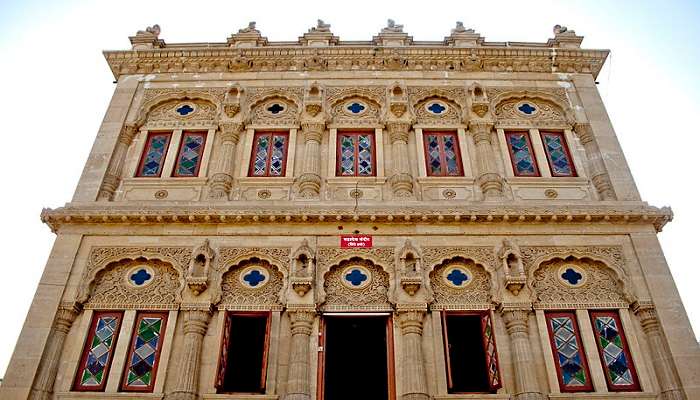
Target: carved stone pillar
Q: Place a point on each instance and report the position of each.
(664, 368)
(310, 180)
(599, 174)
(490, 181)
(186, 386)
(413, 375)
(298, 386)
(401, 181)
(110, 183)
(221, 179)
(526, 387)
(48, 367)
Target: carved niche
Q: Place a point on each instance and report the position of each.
(136, 284)
(198, 271)
(303, 267)
(356, 284)
(460, 283)
(411, 268)
(577, 282)
(512, 265)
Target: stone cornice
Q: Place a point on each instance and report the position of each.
(426, 56)
(205, 214)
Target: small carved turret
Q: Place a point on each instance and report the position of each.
(198, 273)
(303, 267)
(411, 269)
(147, 39)
(479, 100)
(247, 37)
(512, 264)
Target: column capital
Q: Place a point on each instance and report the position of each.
(516, 318)
(646, 311)
(231, 131)
(481, 130)
(127, 133)
(584, 131)
(313, 130)
(302, 321)
(197, 321)
(411, 321)
(398, 131)
(66, 315)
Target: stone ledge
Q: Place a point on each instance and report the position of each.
(102, 395)
(604, 396)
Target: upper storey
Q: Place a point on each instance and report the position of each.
(375, 130)
(391, 49)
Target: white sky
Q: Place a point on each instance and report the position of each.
(55, 87)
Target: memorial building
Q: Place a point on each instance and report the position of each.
(383, 219)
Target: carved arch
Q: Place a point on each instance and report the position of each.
(456, 256)
(564, 108)
(378, 260)
(226, 264)
(349, 93)
(339, 297)
(622, 280)
(152, 104)
(105, 257)
(442, 94)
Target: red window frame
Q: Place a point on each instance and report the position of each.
(565, 145)
(625, 348)
(441, 149)
(225, 347)
(448, 366)
(340, 134)
(144, 152)
(272, 134)
(185, 134)
(584, 361)
(132, 344)
(532, 153)
(77, 386)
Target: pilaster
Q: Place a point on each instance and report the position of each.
(516, 320)
(221, 180)
(298, 380)
(488, 178)
(195, 327)
(413, 374)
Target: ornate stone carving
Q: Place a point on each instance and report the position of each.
(475, 294)
(235, 295)
(200, 264)
(411, 268)
(516, 321)
(451, 116)
(512, 264)
(112, 289)
(340, 297)
(147, 39)
(102, 257)
(187, 379)
(303, 268)
(340, 114)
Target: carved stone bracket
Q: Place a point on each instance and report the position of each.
(198, 272)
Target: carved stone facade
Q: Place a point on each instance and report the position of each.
(483, 180)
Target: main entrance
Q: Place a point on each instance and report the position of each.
(357, 358)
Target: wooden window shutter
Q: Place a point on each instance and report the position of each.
(490, 351)
(263, 370)
(448, 362)
(223, 354)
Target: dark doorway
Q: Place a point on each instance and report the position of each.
(466, 365)
(242, 368)
(356, 358)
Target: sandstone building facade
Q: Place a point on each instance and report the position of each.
(323, 219)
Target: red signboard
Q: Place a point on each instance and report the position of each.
(355, 241)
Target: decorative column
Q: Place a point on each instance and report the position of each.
(664, 367)
(298, 386)
(186, 386)
(526, 387)
(221, 179)
(401, 181)
(310, 179)
(110, 183)
(48, 367)
(489, 180)
(599, 174)
(413, 377)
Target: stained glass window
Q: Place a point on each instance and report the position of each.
(491, 353)
(144, 353)
(442, 154)
(269, 154)
(189, 157)
(614, 353)
(356, 154)
(521, 154)
(567, 349)
(153, 156)
(98, 351)
(558, 154)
